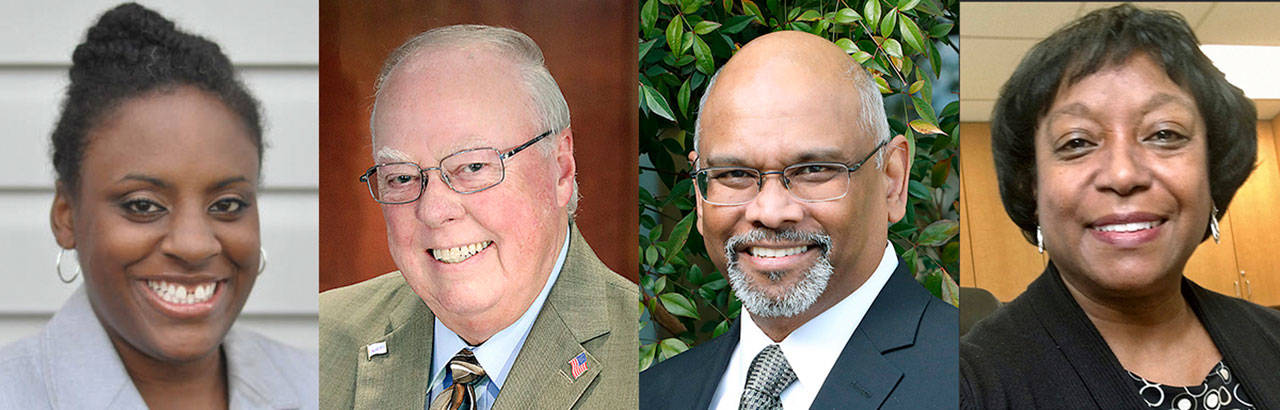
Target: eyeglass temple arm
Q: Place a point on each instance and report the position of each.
(517, 150)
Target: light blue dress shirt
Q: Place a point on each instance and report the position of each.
(495, 355)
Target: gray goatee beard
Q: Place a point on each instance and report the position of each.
(793, 301)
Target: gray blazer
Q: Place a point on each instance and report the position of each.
(71, 364)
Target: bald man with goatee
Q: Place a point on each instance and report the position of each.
(798, 180)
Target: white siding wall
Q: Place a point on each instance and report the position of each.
(275, 45)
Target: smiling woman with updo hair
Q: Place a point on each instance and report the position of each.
(1118, 145)
(157, 153)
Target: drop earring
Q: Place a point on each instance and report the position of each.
(1213, 225)
(1039, 240)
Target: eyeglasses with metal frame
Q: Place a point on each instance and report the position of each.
(806, 181)
(465, 172)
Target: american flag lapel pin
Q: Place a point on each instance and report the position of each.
(578, 365)
(377, 349)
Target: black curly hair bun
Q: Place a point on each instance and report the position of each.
(132, 51)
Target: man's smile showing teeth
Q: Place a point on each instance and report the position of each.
(459, 254)
(182, 294)
(1128, 227)
(762, 252)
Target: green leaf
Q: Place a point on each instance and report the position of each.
(735, 24)
(671, 347)
(680, 233)
(940, 30)
(952, 109)
(939, 232)
(950, 290)
(911, 34)
(705, 26)
(892, 47)
(847, 45)
(883, 85)
(675, 33)
(847, 16)
(651, 255)
(889, 22)
(660, 285)
(924, 109)
(648, 15)
(647, 352)
(720, 328)
(907, 5)
(678, 305)
(706, 62)
(645, 47)
(915, 87)
(909, 258)
(682, 98)
(911, 142)
(928, 6)
(687, 42)
(690, 6)
(810, 15)
(871, 12)
(728, 6)
(918, 190)
(656, 102)
(751, 8)
(861, 57)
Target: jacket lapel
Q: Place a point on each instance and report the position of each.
(541, 376)
(84, 370)
(397, 379)
(862, 376)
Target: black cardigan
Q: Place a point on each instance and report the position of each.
(1041, 351)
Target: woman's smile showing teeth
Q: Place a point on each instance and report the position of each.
(459, 253)
(1127, 230)
(182, 294)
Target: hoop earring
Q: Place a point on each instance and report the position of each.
(1213, 225)
(1039, 240)
(262, 262)
(57, 265)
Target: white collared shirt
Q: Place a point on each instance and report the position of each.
(495, 355)
(811, 350)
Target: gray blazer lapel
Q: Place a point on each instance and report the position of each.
(398, 378)
(541, 376)
(84, 370)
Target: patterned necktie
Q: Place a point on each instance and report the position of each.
(461, 395)
(769, 375)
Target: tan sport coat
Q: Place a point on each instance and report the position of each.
(589, 309)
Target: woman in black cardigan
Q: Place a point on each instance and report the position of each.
(1117, 146)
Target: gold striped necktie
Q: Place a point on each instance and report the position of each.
(466, 373)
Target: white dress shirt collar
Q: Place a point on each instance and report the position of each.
(497, 354)
(811, 350)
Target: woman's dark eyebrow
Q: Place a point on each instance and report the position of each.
(150, 180)
(229, 181)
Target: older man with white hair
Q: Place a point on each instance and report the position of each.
(499, 302)
(798, 181)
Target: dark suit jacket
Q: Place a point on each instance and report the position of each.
(589, 309)
(902, 355)
(1042, 351)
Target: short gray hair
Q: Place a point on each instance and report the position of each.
(546, 102)
(870, 112)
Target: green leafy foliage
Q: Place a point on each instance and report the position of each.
(683, 42)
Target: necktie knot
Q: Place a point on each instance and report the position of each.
(768, 376)
(466, 373)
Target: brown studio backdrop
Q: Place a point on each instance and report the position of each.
(590, 49)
